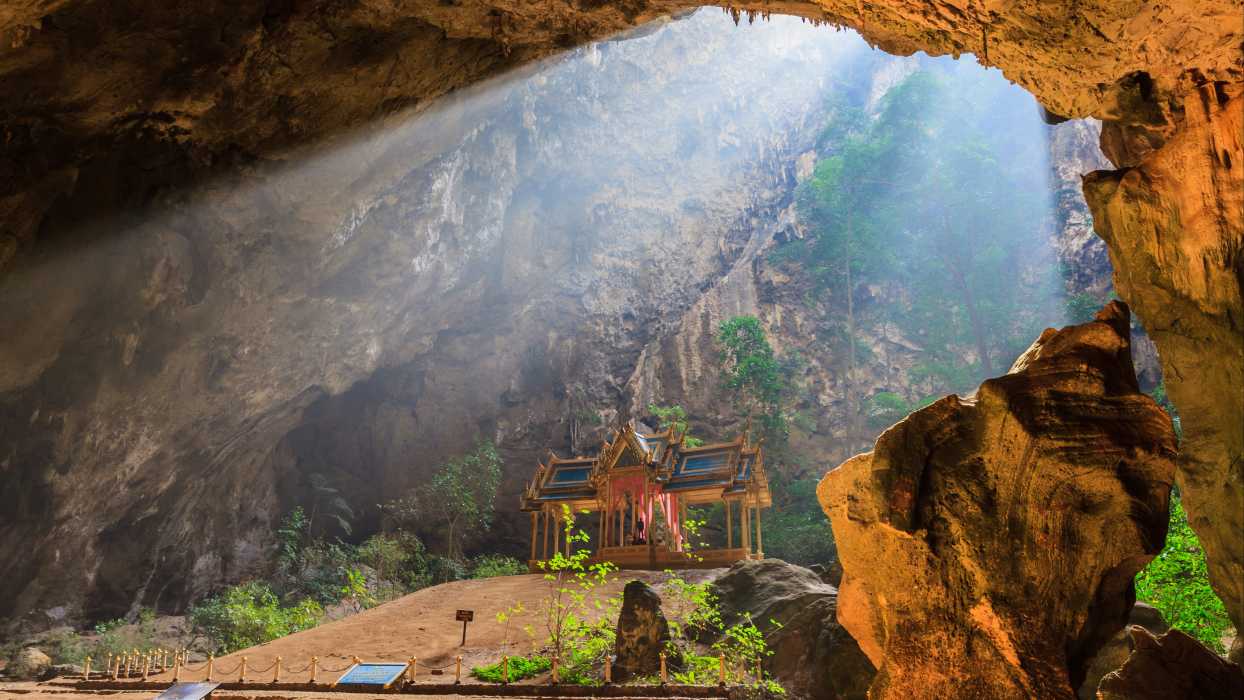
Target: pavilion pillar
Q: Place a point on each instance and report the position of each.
(534, 529)
(729, 527)
(566, 535)
(760, 534)
(548, 531)
(746, 526)
(600, 530)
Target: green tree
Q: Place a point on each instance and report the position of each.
(463, 492)
(752, 371)
(675, 417)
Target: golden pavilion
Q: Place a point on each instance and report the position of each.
(639, 486)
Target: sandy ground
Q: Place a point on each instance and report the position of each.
(419, 625)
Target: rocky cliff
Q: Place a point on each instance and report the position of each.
(492, 268)
(526, 262)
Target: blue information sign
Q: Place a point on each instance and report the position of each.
(372, 674)
(187, 691)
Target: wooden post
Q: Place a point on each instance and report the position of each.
(746, 524)
(760, 673)
(458, 670)
(129, 661)
(534, 529)
(505, 669)
(242, 671)
(664, 671)
(146, 664)
(86, 669)
(547, 529)
(414, 662)
(276, 674)
(760, 536)
(314, 661)
(555, 669)
(608, 669)
(721, 667)
(176, 667)
(211, 664)
(114, 670)
(729, 528)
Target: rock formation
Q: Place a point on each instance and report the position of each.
(1113, 655)
(814, 658)
(27, 664)
(989, 543)
(1171, 666)
(642, 633)
(1175, 227)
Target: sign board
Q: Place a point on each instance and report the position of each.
(465, 616)
(187, 691)
(372, 674)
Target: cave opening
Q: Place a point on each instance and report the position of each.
(528, 262)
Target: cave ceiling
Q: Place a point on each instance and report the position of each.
(179, 89)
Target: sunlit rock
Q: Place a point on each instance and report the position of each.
(1175, 228)
(989, 543)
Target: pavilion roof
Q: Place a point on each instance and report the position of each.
(725, 468)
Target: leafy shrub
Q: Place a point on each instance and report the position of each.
(250, 614)
(520, 667)
(443, 570)
(118, 636)
(490, 565)
(1176, 582)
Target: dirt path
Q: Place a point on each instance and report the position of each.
(419, 625)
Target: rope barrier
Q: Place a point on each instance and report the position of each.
(185, 666)
(228, 672)
(273, 665)
(435, 668)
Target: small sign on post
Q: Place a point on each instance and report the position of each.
(464, 616)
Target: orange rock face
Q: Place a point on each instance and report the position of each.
(989, 543)
(1175, 229)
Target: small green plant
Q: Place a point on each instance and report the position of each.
(675, 417)
(571, 599)
(250, 614)
(1176, 582)
(490, 565)
(354, 590)
(520, 667)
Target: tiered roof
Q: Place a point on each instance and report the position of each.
(699, 474)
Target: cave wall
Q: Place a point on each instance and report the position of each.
(488, 269)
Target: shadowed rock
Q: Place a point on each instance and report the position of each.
(642, 632)
(1172, 667)
(1113, 655)
(814, 658)
(989, 543)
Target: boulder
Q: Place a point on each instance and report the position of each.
(1112, 656)
(642, 633)
(814, 657)
(1172, 667)
(27, 664)
(989, 544)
